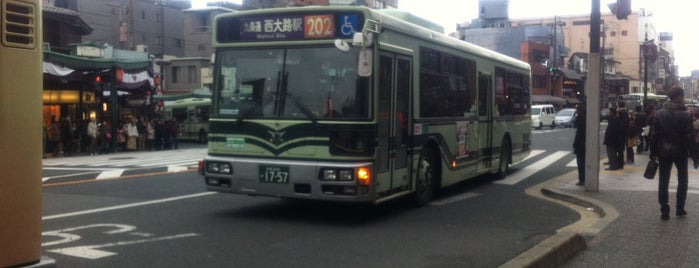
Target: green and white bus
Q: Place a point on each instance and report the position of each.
(192, 114)
(358, 105)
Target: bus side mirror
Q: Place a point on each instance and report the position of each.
(364, 65)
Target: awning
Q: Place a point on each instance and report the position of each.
(198, 93)
(573, 100)
(548, 99)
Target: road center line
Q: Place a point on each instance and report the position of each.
(97, 210)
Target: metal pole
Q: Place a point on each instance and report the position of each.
(593, 103)
(645, 70)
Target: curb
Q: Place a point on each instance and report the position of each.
(556, 250)
(552, 252)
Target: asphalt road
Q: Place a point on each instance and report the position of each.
(169, 220)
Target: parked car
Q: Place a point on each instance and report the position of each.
(543, 115)
(565, 117)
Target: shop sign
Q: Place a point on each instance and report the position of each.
(90, 51)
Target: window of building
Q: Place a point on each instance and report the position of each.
(624, 33)
(612, 33)
(178, 43)
(203, 19)
(158, 40)
(192, 74)
(539, 55)
(539, 81)
(174, 72)
(143, 14)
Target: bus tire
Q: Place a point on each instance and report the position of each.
(202, 136)
(426, 177)
(504, 163)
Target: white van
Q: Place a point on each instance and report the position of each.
(543, 115)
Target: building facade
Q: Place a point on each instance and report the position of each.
(624, 58)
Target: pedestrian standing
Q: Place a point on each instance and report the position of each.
(611, 139)
(142, 132)
(54, 136)
(641, 123)
(121, 137)
(632, 138)
(650, 119)
(672, 139)
(132, 135)
(622, 133)
(579, 143)
(67, 136)
(92, 136)
(150, 136)
(175, 133)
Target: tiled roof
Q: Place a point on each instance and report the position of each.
(59, 10)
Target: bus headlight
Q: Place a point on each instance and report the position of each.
(329, 175)
(218, 167)
(332, 174)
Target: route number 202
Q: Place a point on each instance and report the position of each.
(321, 26)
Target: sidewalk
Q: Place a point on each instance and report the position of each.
(620, 225)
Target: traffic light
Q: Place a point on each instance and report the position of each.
(622, 8)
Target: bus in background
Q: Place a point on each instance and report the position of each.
(192, 115)
(636, 99)
(353, 104)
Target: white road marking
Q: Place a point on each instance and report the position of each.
(97, 210)
(534, 153)
(529, 170)
(110, 174)
(92, 251)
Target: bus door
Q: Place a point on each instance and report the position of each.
(393, 124)
(485, 119)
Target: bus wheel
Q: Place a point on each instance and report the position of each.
(202, 136)
(504, 164)
(426, 177)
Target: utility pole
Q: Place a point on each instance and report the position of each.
(593, 103)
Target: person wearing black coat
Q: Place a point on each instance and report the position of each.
(672, 139)
(614, 138)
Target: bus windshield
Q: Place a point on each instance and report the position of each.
(318, 83)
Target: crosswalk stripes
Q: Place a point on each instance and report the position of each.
(529, 170)
(188, 157)
(116, 165)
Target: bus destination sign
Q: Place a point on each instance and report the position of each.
(299, 27)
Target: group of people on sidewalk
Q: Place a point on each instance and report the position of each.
(670, 133)
(625, 131)
(67, 137)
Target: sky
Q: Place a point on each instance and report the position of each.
(669, 16)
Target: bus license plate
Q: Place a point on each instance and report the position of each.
(274, 174)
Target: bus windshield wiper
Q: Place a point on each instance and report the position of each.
(303, 108)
